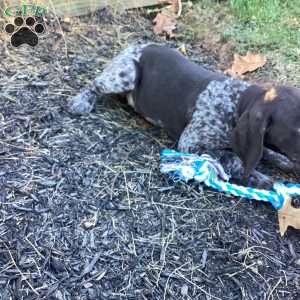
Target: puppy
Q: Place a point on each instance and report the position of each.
(207, 112)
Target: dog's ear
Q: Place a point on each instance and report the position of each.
(248, 136)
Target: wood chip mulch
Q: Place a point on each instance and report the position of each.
(84, 210)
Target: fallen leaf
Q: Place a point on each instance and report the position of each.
(164, 25)
(244, 64)
(176, 6)
(288, 216)
(183, 50)
(146, 124)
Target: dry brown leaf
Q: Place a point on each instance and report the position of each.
(176, 6)
(244, 64)
(146, 124)
(183, 50)
(164, 25)
(288, 216)
(165, 21)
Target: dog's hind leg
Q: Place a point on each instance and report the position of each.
(118, 77)
(281, 161)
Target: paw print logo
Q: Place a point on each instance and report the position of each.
(25, 31)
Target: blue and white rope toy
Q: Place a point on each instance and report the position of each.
(186, 167)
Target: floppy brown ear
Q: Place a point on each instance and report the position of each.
(248, 136)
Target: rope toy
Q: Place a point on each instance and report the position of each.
(205, 169)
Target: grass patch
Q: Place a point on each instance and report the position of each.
(271, 27)
(246, 10)
(205, 18)
(265, 26)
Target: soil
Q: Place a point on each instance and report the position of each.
(85, 212)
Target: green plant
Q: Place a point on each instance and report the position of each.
(267, 25)
(260, 10)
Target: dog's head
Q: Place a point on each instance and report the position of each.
(270, 118)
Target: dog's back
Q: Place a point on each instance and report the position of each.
(167, 87)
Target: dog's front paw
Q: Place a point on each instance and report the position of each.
(83, 103)
(260, 181)
(255, 180)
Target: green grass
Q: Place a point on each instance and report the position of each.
(263, 10)
(267, 25)
(271, 27)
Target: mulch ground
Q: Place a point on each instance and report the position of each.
(85, 212)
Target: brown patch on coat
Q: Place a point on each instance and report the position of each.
(270, 95)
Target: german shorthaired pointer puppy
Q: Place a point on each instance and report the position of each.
(236, 122)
